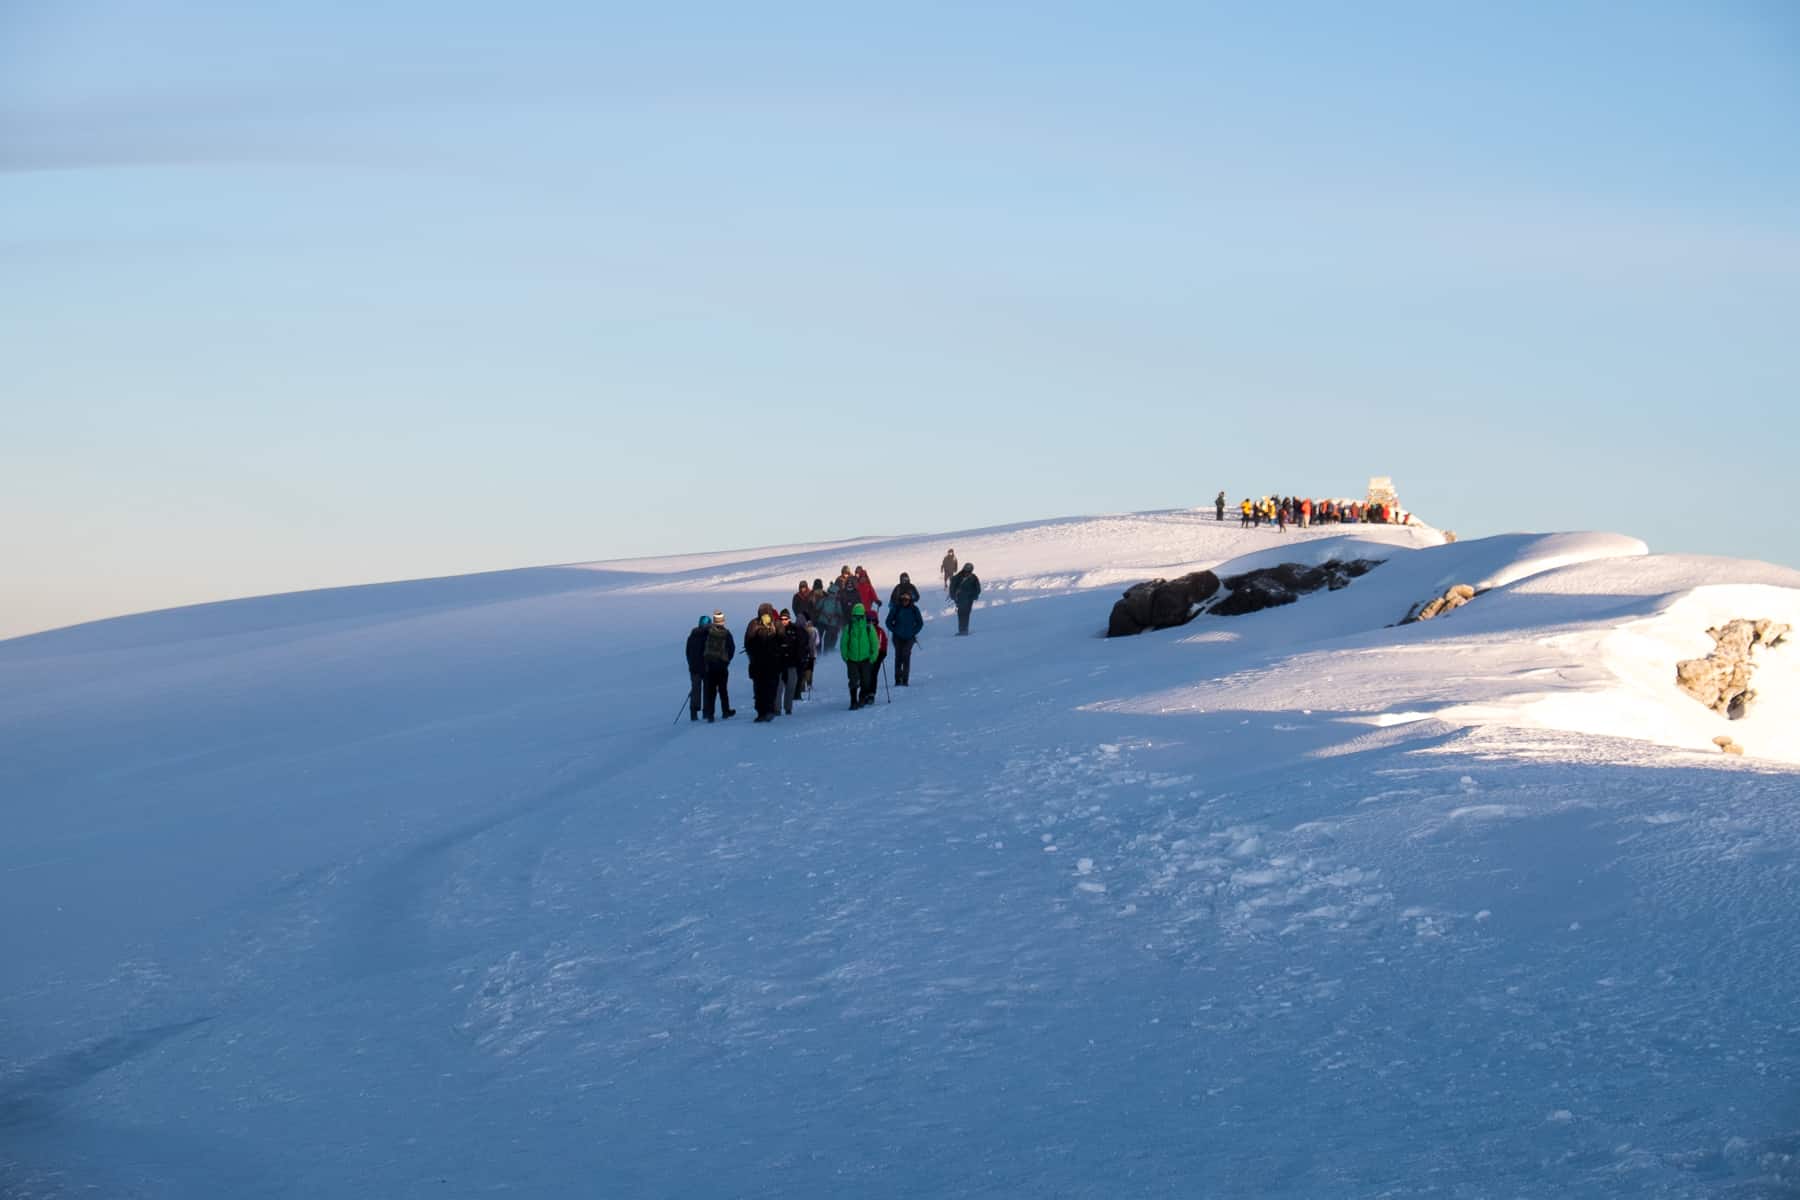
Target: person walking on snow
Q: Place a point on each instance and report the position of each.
(858, 649)
(804, 607)
(1219, 505)
(966, 588)
(696, 664)
(719, 652)
(796, 650)
(762, 646)
(830, 619)
(949, 569)
(865, 590)
(906, 622)
(903, 588)
(1245, 523)
(847, 597)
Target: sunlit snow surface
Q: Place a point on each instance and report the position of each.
(415, 890)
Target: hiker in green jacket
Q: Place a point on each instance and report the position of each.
(859, 647)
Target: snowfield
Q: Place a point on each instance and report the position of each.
(414, 890)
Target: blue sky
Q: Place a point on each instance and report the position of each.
(345, 292)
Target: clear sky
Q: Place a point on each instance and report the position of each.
(301, 295)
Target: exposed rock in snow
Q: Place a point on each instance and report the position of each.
(1455, 597)
(1721, 680)
(1161, 603)
(1271, 587)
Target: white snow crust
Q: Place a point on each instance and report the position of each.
(415, 890)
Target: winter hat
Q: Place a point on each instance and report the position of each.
(786, 615)
(905, 578)
(856, 610)
(705, 621)
(718, 616)
(817, 584)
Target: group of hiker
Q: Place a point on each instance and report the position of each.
(783, 645)
(1282, 511)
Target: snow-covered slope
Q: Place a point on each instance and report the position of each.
(415, 890)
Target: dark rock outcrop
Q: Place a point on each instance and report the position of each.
(1164, 603)
(1271, 587)
(1721, 680)
(1254, 592)
(1161, 603)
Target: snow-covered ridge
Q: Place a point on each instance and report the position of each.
(1572, 631)
(428, 888)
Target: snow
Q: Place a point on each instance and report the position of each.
(415, 890)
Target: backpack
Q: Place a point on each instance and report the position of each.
(718, 645)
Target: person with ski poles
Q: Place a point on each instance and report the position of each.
(858, 648)
(696, 665)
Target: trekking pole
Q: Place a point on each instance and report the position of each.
(685, 702)
(884, 683)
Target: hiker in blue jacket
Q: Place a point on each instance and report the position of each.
(905, 622)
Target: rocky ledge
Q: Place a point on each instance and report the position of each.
(1165, 603)
(1721, 680)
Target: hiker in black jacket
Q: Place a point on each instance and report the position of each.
(903, 588)
(796, 653)
(762, 646)
(964, 589)
(720, 650)
(696, 664)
